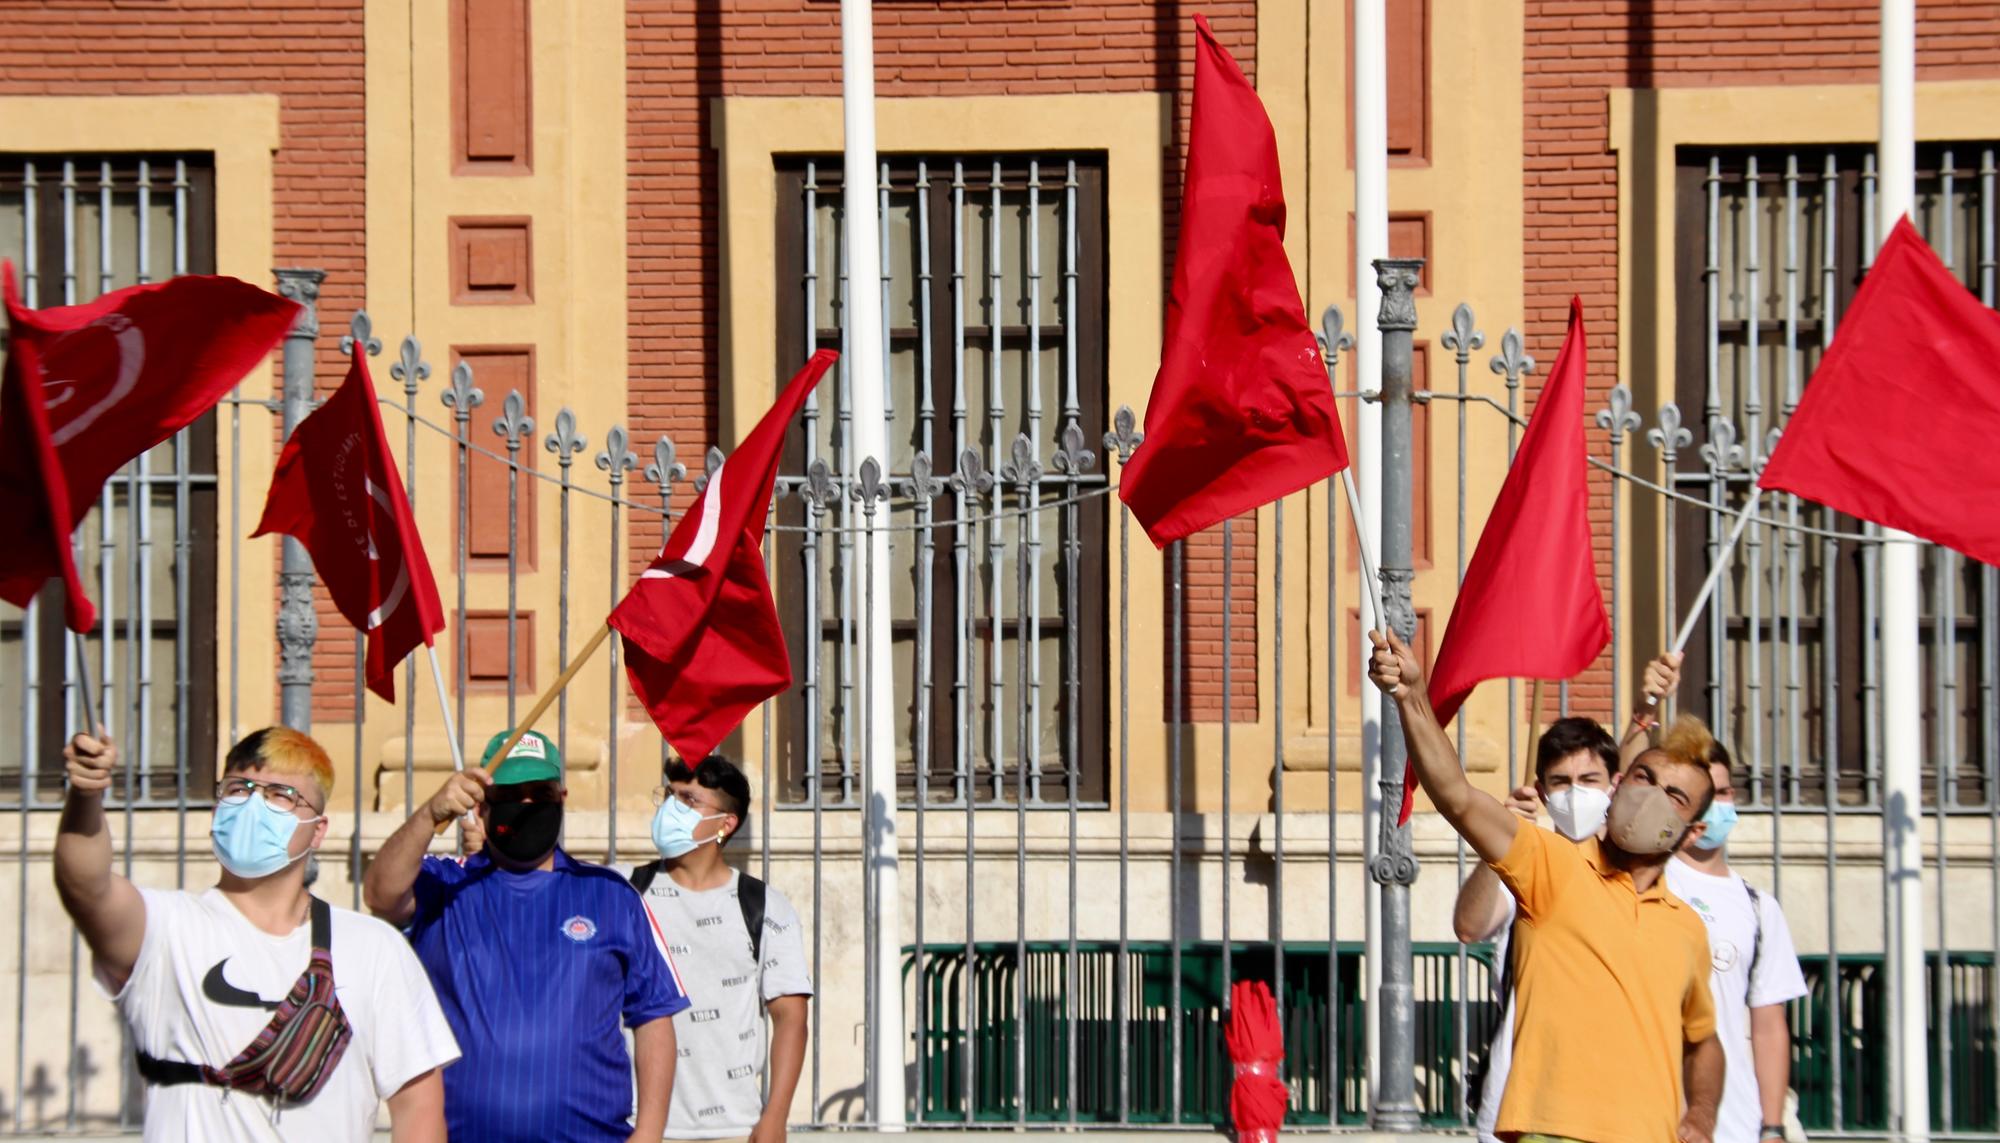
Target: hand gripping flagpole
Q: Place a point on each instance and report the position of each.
(535, 712)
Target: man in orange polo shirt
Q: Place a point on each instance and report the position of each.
(1614, 1032)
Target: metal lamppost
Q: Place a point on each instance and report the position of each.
(297, 625)
(1395, 865)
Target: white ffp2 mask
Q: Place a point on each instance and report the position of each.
(1578, 811)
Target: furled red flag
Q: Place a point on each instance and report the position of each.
(702, 642)
(1530, 607)
(337, 491)
(1241, 411)
(89, 387)
(1258, 1099)
(1898, 422)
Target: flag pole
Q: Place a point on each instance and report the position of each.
(91, 715)
(535, 712)
(444, 707)
(1722, 559)
(1534, 720)
(1368, 564)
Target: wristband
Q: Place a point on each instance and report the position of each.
(1771, 1131)
(1645, 721)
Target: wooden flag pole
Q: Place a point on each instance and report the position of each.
(541, 704)
(1534, 723)
(1714, 577)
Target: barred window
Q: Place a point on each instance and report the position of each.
(76, 227)
(1771, 247)
(994, 308)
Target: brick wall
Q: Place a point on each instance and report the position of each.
(305, 51)
(1577, 50)
(682, 53)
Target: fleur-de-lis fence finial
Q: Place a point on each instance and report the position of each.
(1333, 337)
(869, 487)
(514, 425)
(1071, 458)
(361, 332)
(711, 463)
(971, 476)
(1671, 436)
(820, 489)
(1511, 362)
(923, 485)
(1770, 447)
(1618, 417)
(1722, 453)
(565, 441)
(410, 367)
(1125, 435)
(1462, 338)
(666, 467)
(462, 396)
(617, 457)
(1021, 467)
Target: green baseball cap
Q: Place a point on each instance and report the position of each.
(533, 759)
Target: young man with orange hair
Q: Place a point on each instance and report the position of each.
(230, 992)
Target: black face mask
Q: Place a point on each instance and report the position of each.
(523, 832)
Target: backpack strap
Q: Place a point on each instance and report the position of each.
(750, 895)
(642, 877)
(1756, 941)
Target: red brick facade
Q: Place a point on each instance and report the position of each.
(1578, 50)
(308, 53)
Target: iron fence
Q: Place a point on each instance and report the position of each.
(1070, 938)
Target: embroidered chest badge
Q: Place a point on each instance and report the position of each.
(579, 928)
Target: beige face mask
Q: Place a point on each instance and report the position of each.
(1644, 820)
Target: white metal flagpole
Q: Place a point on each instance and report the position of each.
(866, 377)
(444, 707)
(1714, 577)
(1902, 696)
(1371, 241)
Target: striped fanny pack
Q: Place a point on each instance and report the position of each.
(296, 1052)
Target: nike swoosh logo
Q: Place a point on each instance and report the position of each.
(217, 988)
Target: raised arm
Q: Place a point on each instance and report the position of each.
(1477, 816)
(108, 911)
(390, 887)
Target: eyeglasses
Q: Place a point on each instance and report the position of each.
(280, 797)
(662, 793)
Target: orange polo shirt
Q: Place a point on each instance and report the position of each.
(1609, 985)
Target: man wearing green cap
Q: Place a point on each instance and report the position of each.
(537, 958)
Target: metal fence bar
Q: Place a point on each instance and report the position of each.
(1462, 338)
(1177, 732)
(615, 460)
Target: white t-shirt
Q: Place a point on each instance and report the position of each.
(723, 1046)
(1724, 905)
(1500, 1056)
(198, 994)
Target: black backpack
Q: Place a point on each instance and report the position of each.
(749, 895)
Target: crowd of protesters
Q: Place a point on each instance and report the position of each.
(518, 993)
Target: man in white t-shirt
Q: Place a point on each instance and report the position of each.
(739, 946)
(1755, 968)
(198, 976)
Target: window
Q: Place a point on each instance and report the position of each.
(76, 227)
(993, 284)
(1771, 246)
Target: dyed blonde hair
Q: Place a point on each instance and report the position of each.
(1688, 740)
(282, 750)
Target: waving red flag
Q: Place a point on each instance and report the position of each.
(701, 635)
(338, 492)
(89, 387)
(1530, 607)
(1241, 411)
(1898, 423)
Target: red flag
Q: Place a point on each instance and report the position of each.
(1898, 423)
(1241, 411)
(89, 387)
(337, 491)
(702, 642)
(1530, 607)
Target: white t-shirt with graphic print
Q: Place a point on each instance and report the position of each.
(1724, 905)
(722, 1040)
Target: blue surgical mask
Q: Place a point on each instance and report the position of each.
(674, 825)
(1720, 819)
(251, 839)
